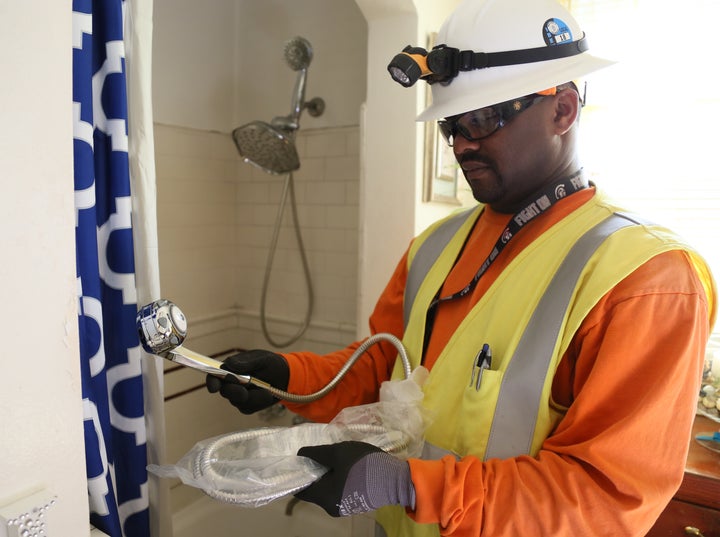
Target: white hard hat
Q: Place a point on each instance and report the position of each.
(489, 26)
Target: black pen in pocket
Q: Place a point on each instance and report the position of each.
(482, 361)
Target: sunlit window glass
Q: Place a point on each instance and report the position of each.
(650, 129)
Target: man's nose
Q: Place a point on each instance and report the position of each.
(462, 145)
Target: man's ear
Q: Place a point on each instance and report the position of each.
(567, 110)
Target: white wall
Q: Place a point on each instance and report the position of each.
(193, 63)
(390, 167)
(219, 65)
(216, 219)
(195, 68)
(238, 74)
(40, 393)
(392, 145)
(216, 214)
(41, 445)
(39, 384)
(264, 82)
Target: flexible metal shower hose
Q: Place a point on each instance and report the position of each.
(365, 345)
(289, 482)
(289, 188)
(226, 488)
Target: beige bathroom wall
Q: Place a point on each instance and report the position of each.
(212, 71)
(216, 219)
(326, 191)
(42, 443)
(216, 215)
(219, 64)
(196, 193)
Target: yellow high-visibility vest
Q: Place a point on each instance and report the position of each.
(528, 317)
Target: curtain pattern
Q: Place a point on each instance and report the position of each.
(115, 437)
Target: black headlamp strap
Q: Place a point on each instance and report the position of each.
(444, 63)
(470, 60)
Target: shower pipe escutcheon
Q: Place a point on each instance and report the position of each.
(162, 328)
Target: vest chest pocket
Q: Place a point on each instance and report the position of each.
(476, 413)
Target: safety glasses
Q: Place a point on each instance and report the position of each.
(483, 122)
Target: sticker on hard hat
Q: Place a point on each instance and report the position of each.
(555, 31)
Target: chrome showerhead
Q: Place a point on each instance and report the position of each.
(271, 146)
(267, 147)
(298, 53)
(161, 327)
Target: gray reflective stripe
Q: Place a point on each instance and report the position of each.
(431, 452)
(379, 530)
(513, 424)
(427, 254)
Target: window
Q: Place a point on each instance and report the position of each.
(650, 128)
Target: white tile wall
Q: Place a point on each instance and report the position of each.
(216, 217)
(196, 188)
(326, 189)
(215, 221)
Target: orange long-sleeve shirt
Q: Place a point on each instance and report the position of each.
(629, 379)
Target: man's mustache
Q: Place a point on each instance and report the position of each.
(474, 157)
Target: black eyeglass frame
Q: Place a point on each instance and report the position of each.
(502, 114)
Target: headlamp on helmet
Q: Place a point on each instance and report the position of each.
(444, 63)
(408, 66)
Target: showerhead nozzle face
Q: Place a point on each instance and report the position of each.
(298, 53)
(266, 147)
(161, 326)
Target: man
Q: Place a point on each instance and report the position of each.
(564, 338)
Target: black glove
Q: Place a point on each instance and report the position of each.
(361, 478)
(264, 365)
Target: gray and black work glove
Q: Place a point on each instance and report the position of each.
(361, 478)
(264, 365)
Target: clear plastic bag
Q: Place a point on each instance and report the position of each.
(254, 467)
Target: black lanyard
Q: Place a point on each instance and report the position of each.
(547, 198)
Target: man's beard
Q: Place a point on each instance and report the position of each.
(484, 191)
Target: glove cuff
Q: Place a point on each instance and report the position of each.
(377, 480)
(393, 477)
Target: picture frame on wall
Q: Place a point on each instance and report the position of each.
(441, 171)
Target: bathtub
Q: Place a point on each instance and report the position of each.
(210, 518)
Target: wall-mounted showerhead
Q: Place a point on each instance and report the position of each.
(271, 147)
(298, 53)
(268, 147)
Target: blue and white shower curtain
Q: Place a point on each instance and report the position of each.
(112, 386)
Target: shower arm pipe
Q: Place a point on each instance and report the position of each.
(186, 357)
